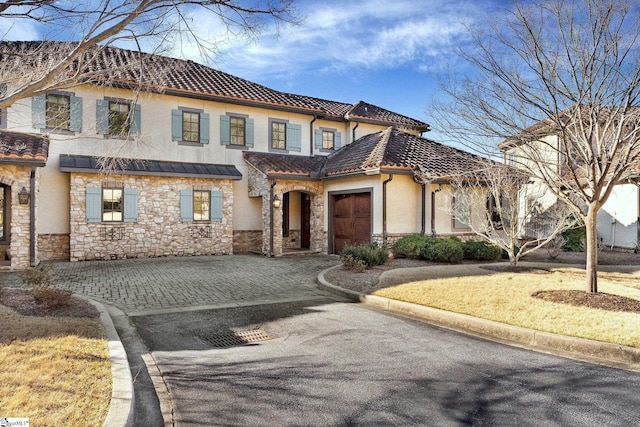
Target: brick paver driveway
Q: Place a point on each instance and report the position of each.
(145, 286)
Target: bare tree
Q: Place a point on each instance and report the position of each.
(33, 69)
(557, 83)
(501, 206)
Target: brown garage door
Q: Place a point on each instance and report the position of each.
(351, 220)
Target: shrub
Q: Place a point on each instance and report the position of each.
(351, 263)
(412, 246)
(370, 254)
(444, 250)
(39, 280)
(481, 250)
(574, 239)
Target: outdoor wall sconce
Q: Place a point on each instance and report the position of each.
(23, 197)
(276, 202)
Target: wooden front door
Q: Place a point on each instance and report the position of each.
(305, 221)
(351, 220)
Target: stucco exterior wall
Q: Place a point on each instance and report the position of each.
(618, 219)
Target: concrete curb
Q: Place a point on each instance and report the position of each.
(613, 355)
(121, 408)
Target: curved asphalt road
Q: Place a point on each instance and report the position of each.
(327, 362)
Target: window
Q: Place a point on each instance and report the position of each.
(461, 210)
(237, 130)
(58, 112)
(117, 117)
(328, 140)
(190, 126)
(112, 204)
(279, 135)
(201, 205)
(198, 204)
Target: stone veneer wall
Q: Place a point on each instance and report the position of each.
(259, 186)
(158, 230)
(292, 241)
(17, 177)
(53, 247)
(246, 241)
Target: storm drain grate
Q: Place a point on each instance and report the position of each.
(237, 338)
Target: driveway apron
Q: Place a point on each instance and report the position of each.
(164, 285)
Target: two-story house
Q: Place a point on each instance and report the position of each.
(170, 157)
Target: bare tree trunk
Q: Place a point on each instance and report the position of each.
(591, 225)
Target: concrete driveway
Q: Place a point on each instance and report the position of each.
(310, 359)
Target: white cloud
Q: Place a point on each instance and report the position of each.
(374, 34)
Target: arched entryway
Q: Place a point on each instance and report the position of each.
(296, 220)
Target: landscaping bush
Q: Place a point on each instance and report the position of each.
(444, 250)
(480, 251)
(574, 239)
(370, 254)
(412, 246)
(39, 280)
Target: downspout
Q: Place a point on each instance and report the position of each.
(433, 209)
(32, 217)
(273, 184)
(423, 210)
(353, 132)
(384, 209)
(312, 143)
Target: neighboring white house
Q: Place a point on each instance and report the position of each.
(191, 160)
(618, 221)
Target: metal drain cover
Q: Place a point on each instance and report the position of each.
(237, 338)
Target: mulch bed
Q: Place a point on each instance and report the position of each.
(600, 300)
(22, 301)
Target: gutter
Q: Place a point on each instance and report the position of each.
(353, 132)
(311, 142)
(433, 209)
(384, 209)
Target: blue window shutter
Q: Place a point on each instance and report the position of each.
(38, 111)
(204, 128)
(136, 120)
(319, 138)
(94, 204)
(249, 132)
(176, 125)
(102, 116)
(216, 206)
(337, 140)
(75, 124)
(186, 205)
(225, 130)
(294, 137)
(130, 204)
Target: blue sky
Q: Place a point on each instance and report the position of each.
(390, 53)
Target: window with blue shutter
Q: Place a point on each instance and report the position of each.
(136, 120)
(102, 116)
(294, 137)
(176, 125)
(225, 130)
(75, 122)
(216, 206)
(38, 111)
(249, 130)
(337, 140)
(93, 204)
(204, 127)
(130, 204)
(186, 205)
(318, 136)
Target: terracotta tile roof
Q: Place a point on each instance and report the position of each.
(188, 78)
(282, 164)
(90, 164)
(18, 147)
(391, 150)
